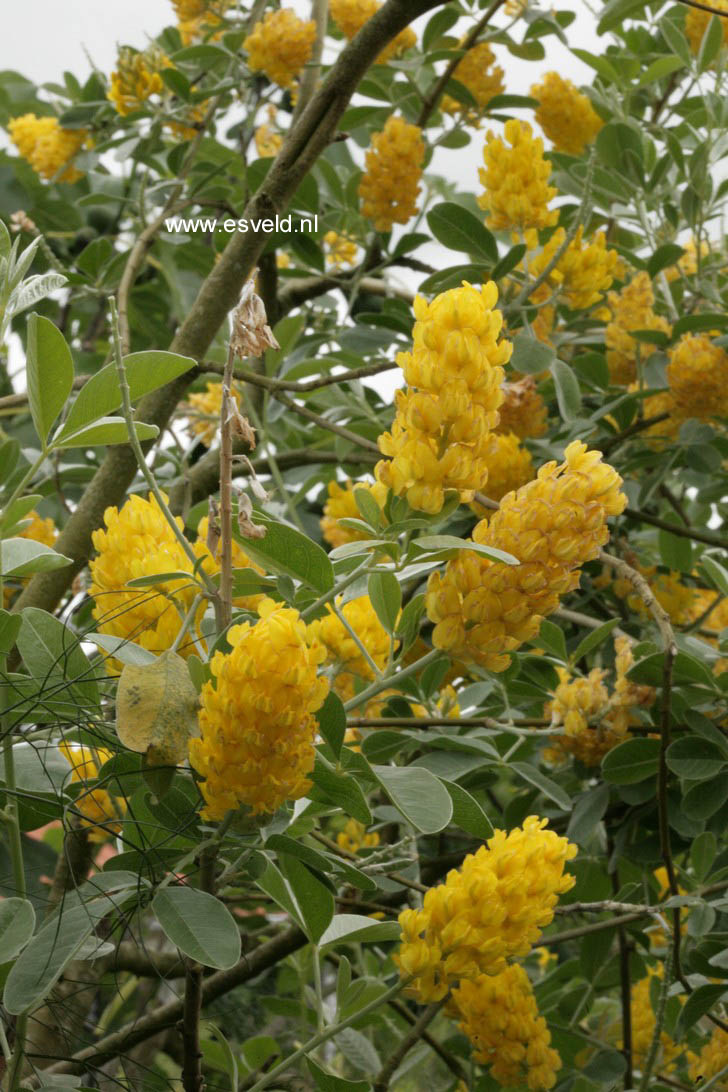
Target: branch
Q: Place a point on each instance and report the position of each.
(383, 1078)
(677, 529)
(306, 140)
(273, 383)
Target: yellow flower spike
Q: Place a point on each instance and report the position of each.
(499, 1015)
(444, 420)
(478, 72)
(515, 177)
(351, 15)
(136, 79)
(196, 18)
(99, 814)
(509, 466)
(583, 273)
(491, 909)
(280, 45)
(697, 377)
(696, 24)
(391, 181)
(257, 721)
(712, 1058)
(565, 114)
(339, 250)
(47, 146)
(631, 309)
(483, 610)
(522, 410)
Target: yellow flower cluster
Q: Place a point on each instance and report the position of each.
(445, 416)
(632, 309)
(565, 114)
(342, 650)
(582, 273)
(515, 178)
(46, 146)
(205, 408)
(280, 45)
(342, 505)
(389, 186)
(351, 15)
(697, 377)
(499, 1015)
(492, 909)
(522, 410)
(137, 78)
(195, 18)
(339, 250)
(594, 720)
(138, 541)
(687, 266)
(696, 23)
(643, 1024)
(483, 78)
(98, 813)
(257, 721)
(712, 1058)
(484, 609)
(354, 837)
(509, 466)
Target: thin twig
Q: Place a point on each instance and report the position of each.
(226, 494)
(677, 529)
(383, 1078)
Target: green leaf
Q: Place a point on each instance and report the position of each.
(711, 44)
(717, 574)
(332, 722)
(210, 1034)
(441, 544)
(418, 795)
(705, 798)
(543, 783)
(24, 556)
(340, 789)
(40, 769)
(665, 256)
(695, 759)
(17, 922)
(101, 394)
(49, 367)
(5, 243)
(123, 649)
(702, 854)
(588, 810)
(568, 392)
(663, 66)
(315, 900)
(600, 64)
(676, 39)
(199, 925)
(48, 647)
(358, 929)
(630, 762)
(458, 229)
(615, 11)
(327, 1082)
(700, 1001)
(408, 626)
(9, 629)
(708, 320)
(676, 552)
(286, 552)
(551, 638)
(467, 812)
(594, 639)
(386, 596)
(530, 355)
(106, 431)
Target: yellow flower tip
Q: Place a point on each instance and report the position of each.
(257, 724)
(136, 79)
(280, 45)
(47, 146)
(565, 114)
(391, 181)
(477, 72)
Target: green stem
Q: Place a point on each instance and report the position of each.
(387, 680)
(323, 1036)
(659, 1024)
(333, 592)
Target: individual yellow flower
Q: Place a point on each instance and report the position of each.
(138, 541)
(515, 177)
(509, 466)
(643, 1024)
(483, 78)
(565, 114)
(339, 250)
(444, 419)
(257, 724)
(712, 1058)
(696, 23)
(391, 181)
(522, 410)
(499, 1015)
(354, 837)
(280, 45)
(584, 271)
(483, 609)
(47, 146)
(351, 15)
(98, 813)
(136, 79)
(342, 650)
(205, 409)
(342, 505)
(697, 377)
(491, 909)
(631, 309)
